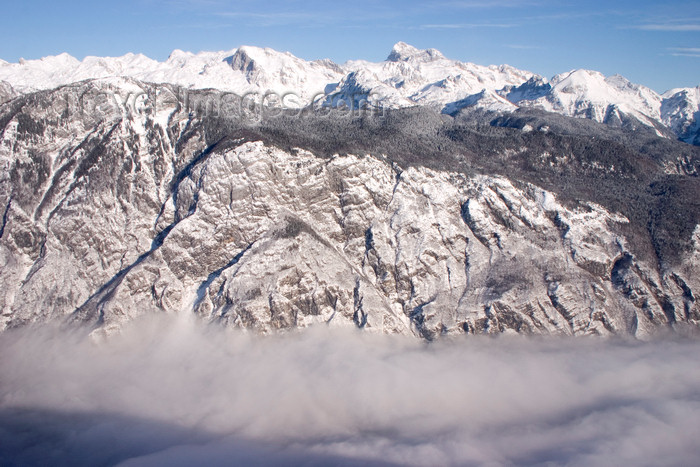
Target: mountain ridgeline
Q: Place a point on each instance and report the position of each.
(408, 77)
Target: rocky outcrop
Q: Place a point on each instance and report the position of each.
(6, 92)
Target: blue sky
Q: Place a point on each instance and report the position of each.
(653, 43)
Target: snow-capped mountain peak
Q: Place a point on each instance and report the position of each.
(403, 52)
(411, 76)
(590, 94)
(579, 81)
(178, 55)
(282, 72)
(680, 111)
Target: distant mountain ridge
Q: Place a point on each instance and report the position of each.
(408, 77)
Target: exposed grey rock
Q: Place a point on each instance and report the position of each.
(113, 208)
(6, 92)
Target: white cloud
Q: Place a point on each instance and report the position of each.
(668, 27)
(465, 25)
(685, 51)
(695, 50)
(180, 393)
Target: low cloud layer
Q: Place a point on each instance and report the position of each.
(173, 392)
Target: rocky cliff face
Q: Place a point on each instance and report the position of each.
(114, 208)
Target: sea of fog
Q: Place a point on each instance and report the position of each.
(174, 392)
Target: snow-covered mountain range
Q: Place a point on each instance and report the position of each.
(468, 205)
(408, 77)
